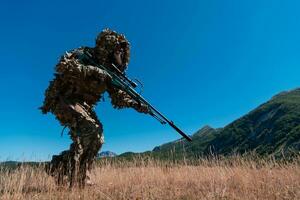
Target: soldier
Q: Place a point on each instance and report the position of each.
(72, 96)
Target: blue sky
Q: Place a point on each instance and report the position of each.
(201, 62)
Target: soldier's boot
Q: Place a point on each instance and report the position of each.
(89, 181)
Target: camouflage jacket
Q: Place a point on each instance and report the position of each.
(77, 81)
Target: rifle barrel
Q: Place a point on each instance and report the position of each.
(171, 123)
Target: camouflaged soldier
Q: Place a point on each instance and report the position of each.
(72, 96)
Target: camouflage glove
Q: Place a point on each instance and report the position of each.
(142, 108)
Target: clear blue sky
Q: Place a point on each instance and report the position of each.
(201, 62)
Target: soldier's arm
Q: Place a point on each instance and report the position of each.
(121, 99)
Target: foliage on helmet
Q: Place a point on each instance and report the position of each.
(107, 42)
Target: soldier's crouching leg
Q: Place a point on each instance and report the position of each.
(86, 134)
(91, 140)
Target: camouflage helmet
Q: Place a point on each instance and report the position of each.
(107, 42)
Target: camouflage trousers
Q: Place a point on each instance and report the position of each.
(86, 134)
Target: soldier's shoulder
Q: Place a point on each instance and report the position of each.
(74, 58)
(76, 54)
(83, 49)
(78, 51)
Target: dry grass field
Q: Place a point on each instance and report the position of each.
(234, 178)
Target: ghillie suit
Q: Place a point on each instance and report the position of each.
(72, 96)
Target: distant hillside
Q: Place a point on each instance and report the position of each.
(9, 164)
(272, 128)
(16, 164)
(105, 154)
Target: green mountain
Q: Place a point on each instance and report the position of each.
(272, 128)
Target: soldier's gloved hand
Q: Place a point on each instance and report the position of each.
(143, 108)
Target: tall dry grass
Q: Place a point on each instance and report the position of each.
(234, 178)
